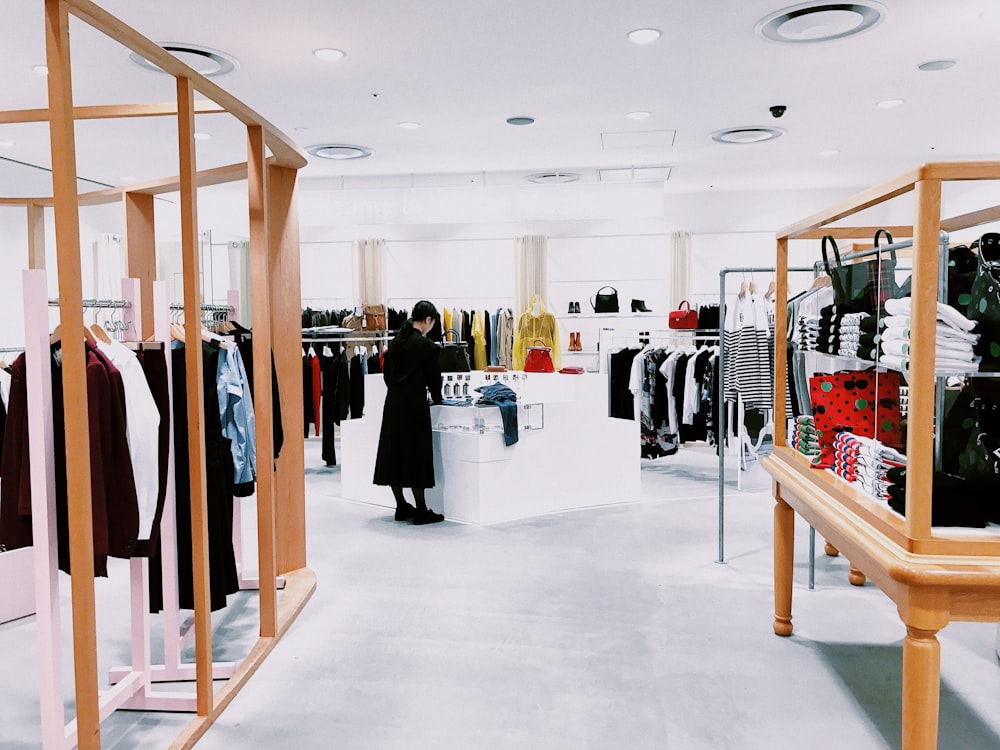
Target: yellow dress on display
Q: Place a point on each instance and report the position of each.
(536, 324)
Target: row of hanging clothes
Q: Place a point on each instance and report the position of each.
(334, 366)
(668, 384)
(130, 407)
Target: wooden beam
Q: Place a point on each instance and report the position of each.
(140, 246)
(74, 375)
(195, 395)
(972, 219)
(110, 112)
(286, 286)
(852, 233)
(36, 236)
(923, 307)
(889, 189)
(260, 293)
(284, 149)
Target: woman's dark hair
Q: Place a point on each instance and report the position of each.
(421, 311)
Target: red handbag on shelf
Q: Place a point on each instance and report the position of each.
(539, 358)
(683, 317)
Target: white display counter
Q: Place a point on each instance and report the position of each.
(572, 456)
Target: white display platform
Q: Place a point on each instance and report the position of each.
(581, 458)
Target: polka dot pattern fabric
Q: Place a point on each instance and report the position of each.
(863, 402)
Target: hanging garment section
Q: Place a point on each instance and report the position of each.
(126, 397)
(669, 389)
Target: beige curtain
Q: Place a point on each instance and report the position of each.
(680, 268)
(369, 254)
(531, 270)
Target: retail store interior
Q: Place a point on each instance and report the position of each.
(612, 580)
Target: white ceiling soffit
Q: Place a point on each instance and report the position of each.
(638, 139)
(634, 174)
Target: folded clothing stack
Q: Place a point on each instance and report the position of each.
(808, 330)
(955, 501)
(839, 330)
(804, 436)
(954, 340)
(866, 462)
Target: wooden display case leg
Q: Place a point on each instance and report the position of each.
(830, 550)
(921, 688)
(784, 548)
(856, 577)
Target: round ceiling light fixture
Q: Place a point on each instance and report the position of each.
(932, 65)
(644, 36)
(339, 151)
(638, 115)
(890, 103)
(209, 62)
(520, 120)
(40, 70)
(743, 136)
(808, 23)
(329, 54)
(408, 125)
(549, 178)
(830, 152)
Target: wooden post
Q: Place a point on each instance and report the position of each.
(286, 317)
(195, 395)
(74, 376)
(784, 549)
(923, 314)
(921, 688)
(36, 236)
(140, 245)
(260, 294)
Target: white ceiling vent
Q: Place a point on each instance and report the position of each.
(743, 136)
(554, 177)
(819, 22)
(638, 139)
(210, 63)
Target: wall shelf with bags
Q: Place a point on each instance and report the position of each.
(934, 574)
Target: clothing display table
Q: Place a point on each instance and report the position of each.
(569, 454)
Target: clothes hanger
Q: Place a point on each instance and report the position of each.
(772, 287)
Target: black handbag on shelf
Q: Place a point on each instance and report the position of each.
(454, 355)
(605, 303)
(863, 285)
(984, 302)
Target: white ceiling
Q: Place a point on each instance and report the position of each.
(462, 67)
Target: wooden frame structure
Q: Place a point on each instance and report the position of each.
(275, 284)
(933, 575)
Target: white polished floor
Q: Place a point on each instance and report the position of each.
(606, 628)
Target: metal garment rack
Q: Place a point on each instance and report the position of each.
(720, 396)
(118, 304)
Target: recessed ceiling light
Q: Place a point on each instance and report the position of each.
(301, 128)
(127, 180)
(639, 115)
(329, 54)
(339, 151)
(890, 103)
(747, 135)
(408, 125)
(203, 136)
(936, 65)
(552, 177)
(819, 22)
(7, 144)
(42, 70)
(644, 36)
(209, 62)
(829, 152)
(520, 120)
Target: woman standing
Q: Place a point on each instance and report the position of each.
(405, 447)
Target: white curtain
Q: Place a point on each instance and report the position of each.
(369, 254)
(109, 266)
(239, 278)
(531, 270)
(680, 268)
